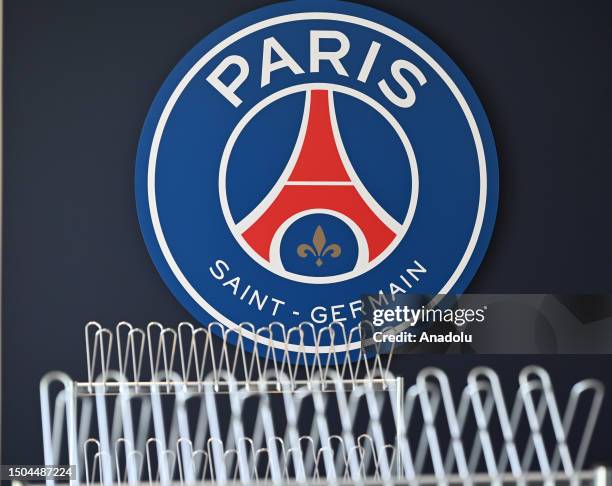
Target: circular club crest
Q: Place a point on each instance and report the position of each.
(309, 153)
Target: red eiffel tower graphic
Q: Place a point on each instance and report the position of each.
(321, 179)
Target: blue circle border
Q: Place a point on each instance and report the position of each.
(283, 8)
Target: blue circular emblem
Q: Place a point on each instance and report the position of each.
(309, 153)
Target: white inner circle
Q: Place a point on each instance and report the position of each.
(159, 130)
(275, 265)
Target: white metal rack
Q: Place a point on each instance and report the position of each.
(184, 406)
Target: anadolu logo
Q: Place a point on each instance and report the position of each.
(306, 154)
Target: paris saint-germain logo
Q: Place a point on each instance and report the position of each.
(309, 153)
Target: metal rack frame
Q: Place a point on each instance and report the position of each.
(401, 440)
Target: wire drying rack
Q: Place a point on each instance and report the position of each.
(183, 406)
